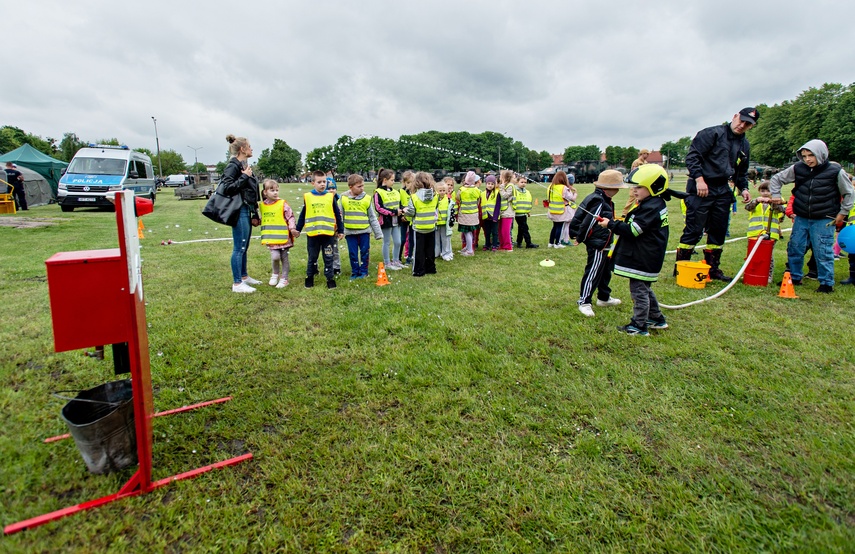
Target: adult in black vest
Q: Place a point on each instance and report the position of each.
(823, 196)
(717, 155)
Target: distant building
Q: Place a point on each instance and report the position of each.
(655, 157)
(557, 159)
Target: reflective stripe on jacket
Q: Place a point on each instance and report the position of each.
(522, 201)
(274, 228)
(320, 214)
(355, 212)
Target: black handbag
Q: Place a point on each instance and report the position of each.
(222, 208)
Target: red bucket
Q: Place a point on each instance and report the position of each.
(546, 203)
(757, 272)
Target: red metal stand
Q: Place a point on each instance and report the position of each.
(115, 315)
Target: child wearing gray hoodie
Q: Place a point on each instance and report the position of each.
(423, 213)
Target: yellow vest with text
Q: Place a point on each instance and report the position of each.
(556, 199)
(274, 228)
(404, 197)
(320, 214)
(469, 197)
(425, 218)
(522, 201)
(758, 220)
(391, 198)
(355, 212)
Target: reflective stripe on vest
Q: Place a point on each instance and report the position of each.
(556, 199)
(522, 201)
(320, 215)
(274, 228)
(391, 199)
(442, 208)
(760, 218)
(469, 197)
(425, 218)
(355, 212)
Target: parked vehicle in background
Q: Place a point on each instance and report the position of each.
(198, 188)
(178, 180)
(98, 169)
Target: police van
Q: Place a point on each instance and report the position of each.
(100, 169)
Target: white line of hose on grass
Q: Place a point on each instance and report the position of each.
(735, 279)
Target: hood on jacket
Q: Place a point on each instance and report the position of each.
(819, 149)
(425, 195)
(350, 195)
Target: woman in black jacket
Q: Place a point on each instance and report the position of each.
(237, 179)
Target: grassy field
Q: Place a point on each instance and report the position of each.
(471, 411)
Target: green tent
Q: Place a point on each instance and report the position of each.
(44, 165)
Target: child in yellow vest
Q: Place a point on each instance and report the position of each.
(320, 220)
(765, 216)
(278, 231)
(444, 223)
(422, 211)
(359, 222)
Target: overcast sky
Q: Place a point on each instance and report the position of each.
(548, 73)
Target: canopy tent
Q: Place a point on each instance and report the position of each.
(36, 187)
(29, 157)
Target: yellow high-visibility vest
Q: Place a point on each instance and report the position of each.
(425, 218)
(556, 199)
(320, 214)
(274, 228)
(469, 197)
(442, 208)
(522, 201)
(355, 212)
(758, 220)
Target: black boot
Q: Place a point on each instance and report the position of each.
(850, 280)
(683, 255)
(713, 258)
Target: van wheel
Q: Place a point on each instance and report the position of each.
(65, 208)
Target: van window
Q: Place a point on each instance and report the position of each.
(97, 166)
(140, 169)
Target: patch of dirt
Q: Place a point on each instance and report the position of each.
(28, 222)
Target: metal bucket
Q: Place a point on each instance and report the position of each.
(101, 420)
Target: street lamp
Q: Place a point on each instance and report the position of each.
(159, 163)
(196, 158)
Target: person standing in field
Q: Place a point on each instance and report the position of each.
(320, 220)
(559, 195)
(468, 220)
(387, 204)
(422, 211)
(359, 222)
(717, 155)
(238, 179)
(522, 210)
(278, 231)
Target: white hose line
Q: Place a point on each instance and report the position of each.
(729, 285)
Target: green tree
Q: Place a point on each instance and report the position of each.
(808, 111)
(13, 137)
(280, 162)
(581, 153)
(221, 166)
(838, 129)
(615, 155)
(675, 151)
(321, 159)
(110, 142)
(770, 144)
(545, 159)
(198, 167)
(68, 146)
(172, 162)
(630, 154)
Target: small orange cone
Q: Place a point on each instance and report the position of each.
(140, 229)
(787, 290)
(382, 279)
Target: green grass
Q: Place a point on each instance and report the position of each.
(474, 410)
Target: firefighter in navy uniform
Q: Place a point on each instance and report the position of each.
(717, 154)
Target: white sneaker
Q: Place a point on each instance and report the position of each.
(549, 245)
(586, 310)
(273, 279)
(282, 283)
(251, 281)
(559, 246)
(612, 301)
(243, 287)
(393, 266)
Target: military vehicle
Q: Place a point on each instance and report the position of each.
(198, 188)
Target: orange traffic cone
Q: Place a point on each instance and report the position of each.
(140, 229)
(382, 279)
(787, 290)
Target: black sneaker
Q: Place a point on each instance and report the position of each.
(657, 324)
(825, 289)
(532, 245)
(811, 275)
(310, 282)
(633, 330)
(849, 281)
(331, 283)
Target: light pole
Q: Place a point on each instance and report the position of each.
(196, 158)
(159, 163)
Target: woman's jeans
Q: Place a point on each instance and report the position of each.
(240, 235)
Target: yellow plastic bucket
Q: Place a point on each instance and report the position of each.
(692, 275)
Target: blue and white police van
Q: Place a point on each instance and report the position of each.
(100, 169)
